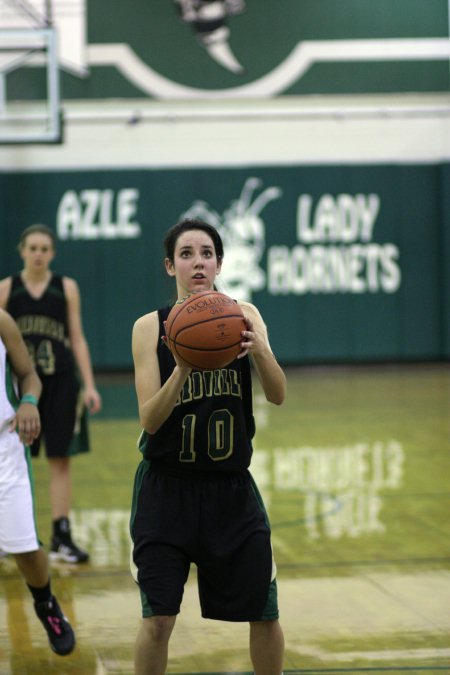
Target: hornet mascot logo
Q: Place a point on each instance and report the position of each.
(208, 21)
(243, 232)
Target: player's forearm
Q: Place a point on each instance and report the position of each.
(30, 384)
(271, 376)
(83, 359)
(156, 410)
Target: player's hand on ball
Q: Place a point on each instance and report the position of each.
(250, 341)
(178, 361)
(164, 337)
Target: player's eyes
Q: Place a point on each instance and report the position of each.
(207, 253)
(42, 249)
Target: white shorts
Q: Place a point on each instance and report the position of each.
(17, 525)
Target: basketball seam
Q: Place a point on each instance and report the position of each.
(202, 349)
(195, 366)
(213, 318)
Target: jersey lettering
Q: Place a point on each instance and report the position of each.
(220, 435)
(220, 431)
(43, 357)
(209, 383)
(41, 325)
(187, 453)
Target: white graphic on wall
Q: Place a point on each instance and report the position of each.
(243, 233)
(98, 214)
(335, 251)
(77, 56)
(208, 21)
(301, 59)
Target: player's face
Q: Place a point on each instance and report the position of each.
(195, 263)
(37, 251)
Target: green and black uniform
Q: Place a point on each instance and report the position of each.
(43, 324)
(195, 501)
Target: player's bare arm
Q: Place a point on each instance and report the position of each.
(5, 289)
(256, 344)
(79, 344)
(155, 402)
(26, 420)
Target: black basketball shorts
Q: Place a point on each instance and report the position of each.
(58, 411)
(218, 522)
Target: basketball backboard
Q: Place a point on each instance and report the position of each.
(29, 75)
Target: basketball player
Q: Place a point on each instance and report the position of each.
(19, 426)
(194, 499)
(47, 309)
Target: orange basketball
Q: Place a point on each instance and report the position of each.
(204, 330)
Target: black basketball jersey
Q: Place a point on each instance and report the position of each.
(211, 426)
(43, 324)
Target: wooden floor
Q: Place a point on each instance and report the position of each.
(355, 472)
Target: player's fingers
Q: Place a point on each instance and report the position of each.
(165, 341)
(248, 322)
(95, 404)
(36, 429)
(249, 338)
(25, 432)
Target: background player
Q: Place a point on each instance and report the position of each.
(47, 309)
(19, 426)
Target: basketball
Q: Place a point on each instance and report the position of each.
(204, 330)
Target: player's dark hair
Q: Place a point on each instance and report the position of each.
(192, 224)
(33, 229)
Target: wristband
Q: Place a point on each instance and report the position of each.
(29, 398)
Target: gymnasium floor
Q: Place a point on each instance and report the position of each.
(355, 472)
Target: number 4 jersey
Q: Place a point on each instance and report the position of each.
(211, 426)
(43, 324)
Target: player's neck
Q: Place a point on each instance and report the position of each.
(35, 277)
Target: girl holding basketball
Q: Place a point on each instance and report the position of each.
(194, 499)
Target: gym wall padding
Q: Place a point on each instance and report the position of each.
(346, 263)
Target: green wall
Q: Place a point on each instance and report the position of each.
(263, 39)
(444, 260)
(346, 263)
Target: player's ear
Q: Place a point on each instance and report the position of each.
(170, 267)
